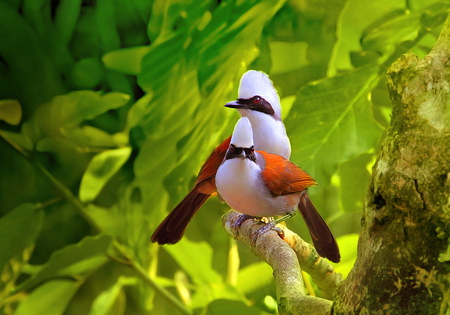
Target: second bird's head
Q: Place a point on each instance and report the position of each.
(257, 96)
(241, 145)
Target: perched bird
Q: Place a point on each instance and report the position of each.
(261, 184)
(258, 100)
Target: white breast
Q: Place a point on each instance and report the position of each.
(239, 183)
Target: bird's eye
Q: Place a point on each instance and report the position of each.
(252, 149)
(256, 100)
(231, 148)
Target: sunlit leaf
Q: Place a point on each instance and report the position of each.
(88, 136)
(126, 60)
(105, 301)
(332, 121)
(354, 19)
(10, 111)
(260, 274)
(69, 110)
(189, 255)
(78, 259)
(288, 56)
(348, 242)
(50, 298)
(354, 181)
(103, 218)
(101, 168)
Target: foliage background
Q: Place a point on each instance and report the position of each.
(109, 108)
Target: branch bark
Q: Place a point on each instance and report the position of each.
(286, 257)
(403, 252)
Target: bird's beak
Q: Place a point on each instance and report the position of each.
(236, 104)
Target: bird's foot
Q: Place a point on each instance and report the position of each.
(238, 222)
(271, 225)
(241, 219)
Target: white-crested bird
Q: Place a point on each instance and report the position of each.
(261, 184)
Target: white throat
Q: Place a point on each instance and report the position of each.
(269, 134)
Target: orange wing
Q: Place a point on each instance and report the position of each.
(209, 169)
(282, 177)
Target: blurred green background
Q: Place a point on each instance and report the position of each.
(109, 107)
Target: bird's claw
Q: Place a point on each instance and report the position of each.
(240, 220)
(271, 225)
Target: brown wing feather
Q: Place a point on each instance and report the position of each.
(282, 177)
(172, 229)
(209, 169)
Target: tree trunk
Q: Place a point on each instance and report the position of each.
(403, 263)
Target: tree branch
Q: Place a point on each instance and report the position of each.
(285, 257)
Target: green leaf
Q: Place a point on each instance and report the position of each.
(104, 218)
(190, 255)
(260, 273)
(69, 110)
(10, 111)
(126, 60)
(88, 136)
(283, 58)
(50, 298)
(101, 168)
(384, 38)
(19, 140)
(104, 302)
(356, 16)
(348, 245)
(73, 260)
(332, 121)
(87, 73)
(18, 231)
(354, 181)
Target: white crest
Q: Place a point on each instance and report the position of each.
(242, 134)
(258, 83)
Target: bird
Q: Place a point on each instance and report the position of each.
(261, 184)
(257, 100)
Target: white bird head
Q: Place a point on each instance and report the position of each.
(256, 92)
(242, 135)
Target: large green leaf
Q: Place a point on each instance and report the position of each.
(260, 273)
(51, 298)
(126, 60)
(105, 301)
(73, 260)
(71, 109)
(209, 283)
(356, 16)
(190, 255)
(10, 111)
(332, 121)
(348, 242)
(354, 180)
(101, 168)
(18, 231)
